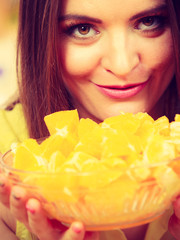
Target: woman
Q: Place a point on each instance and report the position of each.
(101, 57)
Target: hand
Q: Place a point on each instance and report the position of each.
(30, 213)
(174, 222)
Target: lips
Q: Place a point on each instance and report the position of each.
(120, 92)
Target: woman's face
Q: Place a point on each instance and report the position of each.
(116, 55)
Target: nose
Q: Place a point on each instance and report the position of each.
(120, 55)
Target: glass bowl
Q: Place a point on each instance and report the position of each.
(102, 200)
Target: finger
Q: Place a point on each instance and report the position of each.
(75, 232)
(174, 226)
(18, 199)
(5, 189)
(38, 222)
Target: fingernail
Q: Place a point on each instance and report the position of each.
(77, 229)
(16, 196)
(30, 209)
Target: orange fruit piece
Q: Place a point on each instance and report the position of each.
(91, 142)
(145, 131)
(56, 187)
(159, 150)
(115, 163)
(122, 144)
(116, 192)
(175, 165)
(67, 120)
(175, 133)
(162, 126)
(125, 121)
(86, 126)
(175, 129)
(82, 161)
(27, 156)
(144, 117)
(57, 159)
(177, 118)
(64, 143)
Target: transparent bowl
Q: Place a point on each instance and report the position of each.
(102, 200)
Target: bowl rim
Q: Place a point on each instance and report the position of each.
(76, 173)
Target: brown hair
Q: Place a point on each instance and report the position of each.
(41, 87)
(173, 92)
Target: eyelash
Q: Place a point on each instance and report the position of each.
(70, 30)
(159, 23)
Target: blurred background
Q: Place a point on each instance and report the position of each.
(8, 34)
(12, 124)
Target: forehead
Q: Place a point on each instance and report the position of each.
(110, 7)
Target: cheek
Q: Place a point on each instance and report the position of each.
(160, 54)
(77, 60)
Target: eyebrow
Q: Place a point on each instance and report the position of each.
(79, 17)
(153, 10)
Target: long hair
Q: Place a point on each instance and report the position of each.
(172, 94)
(41, 86)
(41, 89)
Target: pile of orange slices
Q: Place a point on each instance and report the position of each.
(121, 169)
(82, 145)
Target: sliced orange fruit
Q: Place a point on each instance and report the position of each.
(162, 125)
(128, 122)
(177, 118)
(90, 142)
(145, 131)
(175, 129)
(120, 145)
(86, 126)
(63, 119)
(57, 159)
(100, 198)
(82, 161)
(144, 117)
(159, 150)
(57, 142)
(28, 158)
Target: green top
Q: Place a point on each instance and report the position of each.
(12, 127)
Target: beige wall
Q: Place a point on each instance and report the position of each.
(8, 33)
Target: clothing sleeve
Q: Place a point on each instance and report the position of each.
(23, 234)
